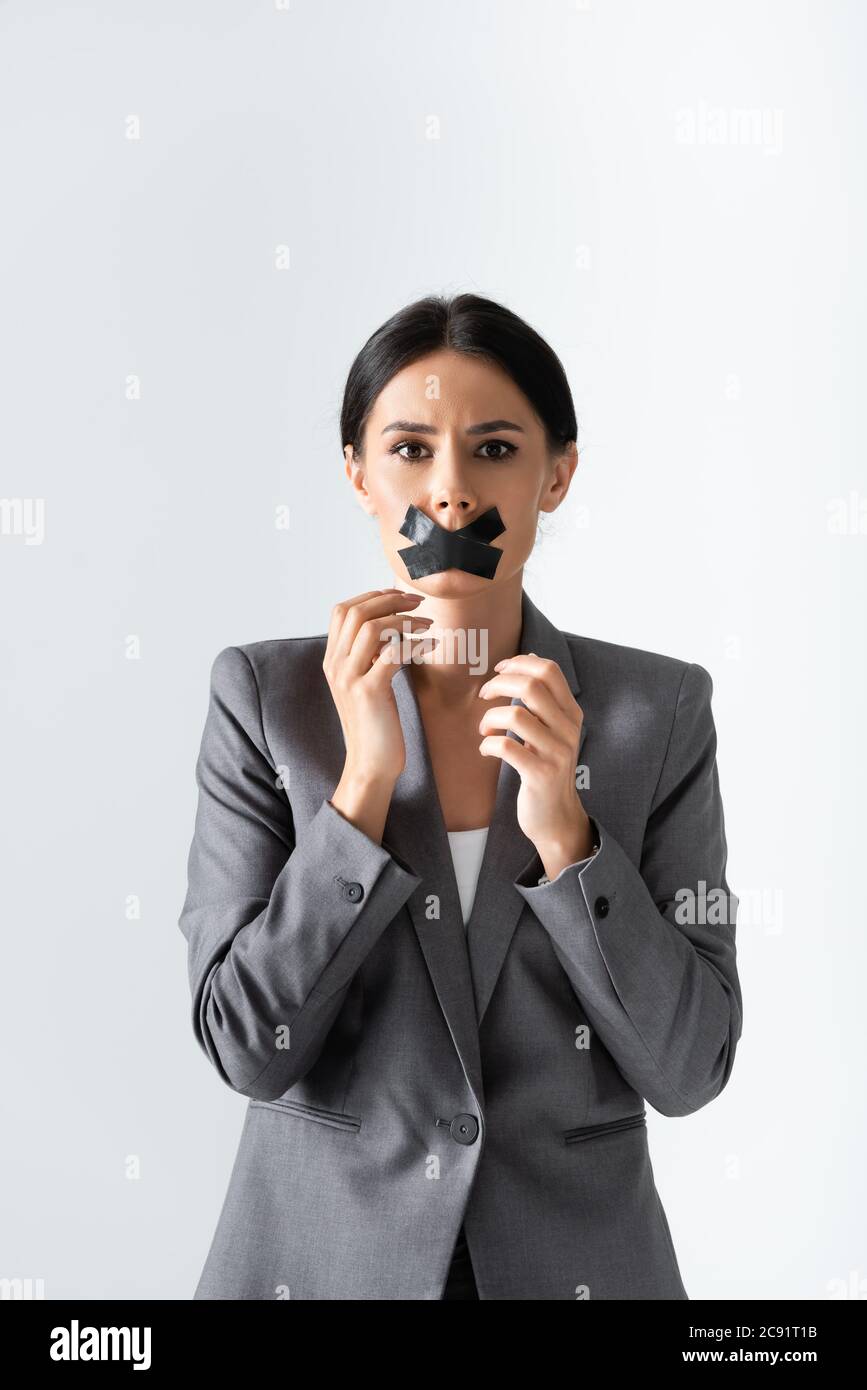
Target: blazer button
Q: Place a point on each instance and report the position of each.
(353, 892)
(464, 1129)
(600, 907)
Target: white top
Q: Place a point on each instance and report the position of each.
(468, 848)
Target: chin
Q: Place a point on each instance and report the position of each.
(452, 583)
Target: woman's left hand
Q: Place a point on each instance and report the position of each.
(549, 808)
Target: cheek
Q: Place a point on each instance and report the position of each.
(517, 501)
(520, 532)
(390, 516)
(392, 496)
(391, 512)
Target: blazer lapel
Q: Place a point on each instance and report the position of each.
(416, 830)
(508, 852)
(464, 964)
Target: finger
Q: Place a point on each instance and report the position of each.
(350, 615)
(393, 656)
(525, 724)
(383, 635)
(538, 698)
(339, 611)
(521, 758)
(549, 672)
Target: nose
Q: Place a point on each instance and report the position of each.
(453, 499)
(453, 512)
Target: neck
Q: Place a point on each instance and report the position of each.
(475, 633)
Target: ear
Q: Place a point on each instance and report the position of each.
(355, 472)
(562, 470)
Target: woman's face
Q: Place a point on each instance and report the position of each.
(455, 436)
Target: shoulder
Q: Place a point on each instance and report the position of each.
(636, 675)
(277, 663)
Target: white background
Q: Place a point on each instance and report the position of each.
(673, 194)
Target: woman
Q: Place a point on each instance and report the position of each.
(450, 926)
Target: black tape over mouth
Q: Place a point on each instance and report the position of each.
(436, 549)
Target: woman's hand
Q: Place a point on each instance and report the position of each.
(362, 654)
(549, 808)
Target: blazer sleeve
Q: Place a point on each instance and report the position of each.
(650, 951)
(276, 924)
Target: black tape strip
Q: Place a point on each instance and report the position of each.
(437, 549)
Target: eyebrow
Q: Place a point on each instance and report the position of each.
(486, 427)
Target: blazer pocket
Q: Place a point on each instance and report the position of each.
(577, 1136)
(335, 1118)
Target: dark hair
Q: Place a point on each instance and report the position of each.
(464, 323)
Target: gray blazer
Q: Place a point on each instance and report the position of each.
(405, 1077)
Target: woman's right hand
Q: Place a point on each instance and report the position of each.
(359, 665)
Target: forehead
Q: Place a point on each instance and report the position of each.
(451, 388)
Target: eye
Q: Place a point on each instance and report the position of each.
(416, 451)
(505, 444)
(407, 444)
